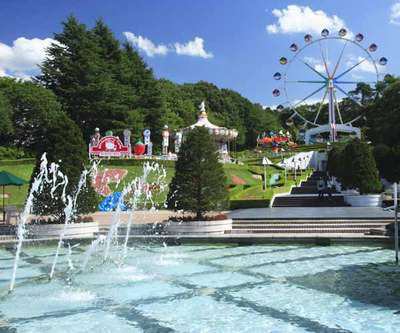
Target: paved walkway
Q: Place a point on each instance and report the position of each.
(312, 213)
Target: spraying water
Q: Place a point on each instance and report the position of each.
(35, 188)
(141, 193)
(69, 256)
(70, 210)
(92, 248)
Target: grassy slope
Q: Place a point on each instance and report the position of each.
(252, 190)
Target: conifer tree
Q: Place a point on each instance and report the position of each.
(199, 182)
(64, 145)
(359, 168)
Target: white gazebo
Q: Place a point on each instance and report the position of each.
(222, 135)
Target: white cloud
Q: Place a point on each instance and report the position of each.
(366, 66)
(395, 13)
(317, 64)
(146, 45)
(296, 19)
(21, 60)
(309, 101)
(194, 48)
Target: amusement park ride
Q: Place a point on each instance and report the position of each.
(110, 146)
(329, 80)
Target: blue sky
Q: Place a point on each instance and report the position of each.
(233, 49)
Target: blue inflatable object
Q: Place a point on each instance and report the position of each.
(110, 203)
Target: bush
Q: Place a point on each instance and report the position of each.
(335, 163)
(134, 162)
(199, 182)
(359, 168)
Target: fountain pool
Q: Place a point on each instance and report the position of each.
(203, 288)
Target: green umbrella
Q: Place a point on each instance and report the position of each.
(8, 179)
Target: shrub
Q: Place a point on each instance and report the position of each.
(335, 165)
(198, 184)
(359, 168)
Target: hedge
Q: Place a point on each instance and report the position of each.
(18, 162)
(133, 162)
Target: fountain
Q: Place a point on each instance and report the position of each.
(137, 193)
(35, 188)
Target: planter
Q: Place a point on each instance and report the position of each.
(74, 230)
(199, 227)
(366, 200)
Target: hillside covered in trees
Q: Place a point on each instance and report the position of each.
(101, 83)
(97, 81)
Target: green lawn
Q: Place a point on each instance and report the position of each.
(18, 194)
(248, 175)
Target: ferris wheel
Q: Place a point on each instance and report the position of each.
(329, 77)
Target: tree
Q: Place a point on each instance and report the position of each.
(6, 125)
(81, 70)
(383, 116)
(199, 182)
(359, 168)
(388, 161)
(30, 108)
(64, 145)
(146, 102)
(335, 163)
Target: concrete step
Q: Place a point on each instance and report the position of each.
(314, 221)
(309, 201)
(303, 231)
(7, 237)
(306, 226)
(309, 183)
(307, 190)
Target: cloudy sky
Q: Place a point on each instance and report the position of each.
(233, 43)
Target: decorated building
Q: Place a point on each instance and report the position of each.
(223, 136)
(110, 145)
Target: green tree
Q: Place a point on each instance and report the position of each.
(6, 125)
(80, 70)
(63, 144)
(383, 116)
(388, 161)
(146, 101)
(31, 109)
(335, 162)
(198, 185)
(359, 168)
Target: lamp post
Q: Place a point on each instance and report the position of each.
(294, 166)
(265, 163)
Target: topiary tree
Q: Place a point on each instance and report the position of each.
(199, 182)
(359, 168)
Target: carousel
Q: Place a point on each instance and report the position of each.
(224, 137)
